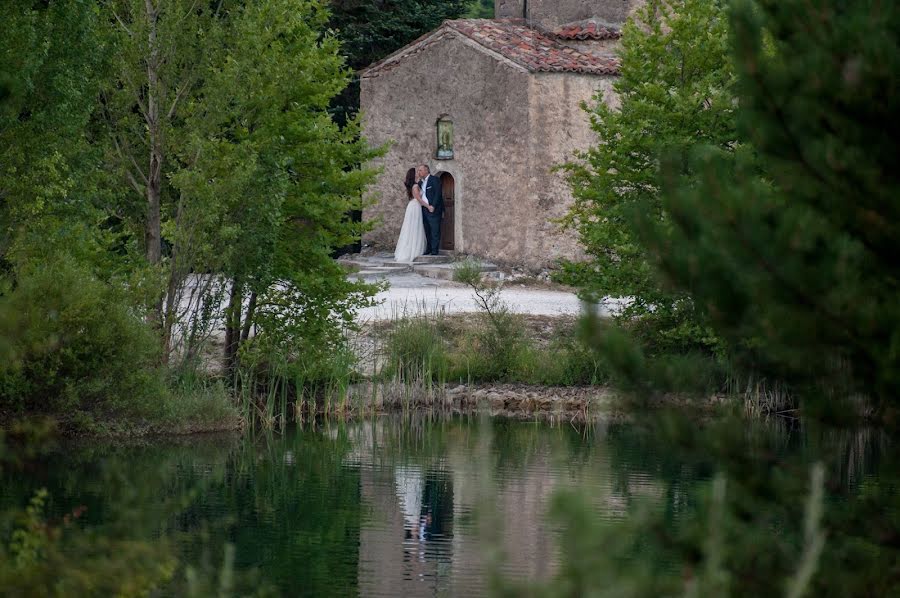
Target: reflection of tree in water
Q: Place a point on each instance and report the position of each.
(656, 538)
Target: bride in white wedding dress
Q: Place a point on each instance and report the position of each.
(411, 243)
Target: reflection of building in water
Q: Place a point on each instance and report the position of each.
(406, 544)
(527, 540)
(420, 537)
(410, 481)
(405, 541)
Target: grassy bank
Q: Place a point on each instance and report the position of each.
(74, 349)
(471, 349)
(175, 412)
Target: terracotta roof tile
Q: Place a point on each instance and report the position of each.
(589, 29)
(530, 48)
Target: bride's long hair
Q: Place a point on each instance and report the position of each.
(409, 182)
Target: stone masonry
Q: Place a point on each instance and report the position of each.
(550, 14)
(513, 92)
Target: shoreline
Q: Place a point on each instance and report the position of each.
(550, 404)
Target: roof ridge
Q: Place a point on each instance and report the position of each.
(591, 28)
(525, 45)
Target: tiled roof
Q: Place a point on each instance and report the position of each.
(529, 48)
(589, 29)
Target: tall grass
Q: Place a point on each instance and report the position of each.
(440, 350)
(761, 397)
(197, 402)
(416, 350)
(276, 393)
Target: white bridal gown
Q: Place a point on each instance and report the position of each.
(411, 243)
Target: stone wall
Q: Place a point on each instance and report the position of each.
(487, 100)
(509, 9)
(511, 127)
(550, 14)
(560, 128)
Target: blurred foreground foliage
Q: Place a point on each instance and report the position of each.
(781, 240)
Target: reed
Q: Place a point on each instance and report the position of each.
(761, 397)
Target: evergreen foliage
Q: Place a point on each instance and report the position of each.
(782, 242)
(481, 9)
(796, 265)
(370, 30)
(676, 90)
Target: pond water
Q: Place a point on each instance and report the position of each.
(377, 508)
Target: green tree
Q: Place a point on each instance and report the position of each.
(52, 62)
(800, 259)
(372, 29)
(195, 136)
(480, 9)
(676, 90)
(274, 177)
(219, 124)
(160, 49)
(162, 52)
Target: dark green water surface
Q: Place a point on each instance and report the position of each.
(378, 508)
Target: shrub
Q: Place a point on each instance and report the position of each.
(415, 350)
(73, 342)
(564, 363)
(500, 342)
(467, 272)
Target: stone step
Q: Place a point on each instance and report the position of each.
(355, 263)
(445, 271)
(421, 260)
(434, 259)
(371, 274)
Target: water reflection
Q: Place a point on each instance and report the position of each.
(388, 507)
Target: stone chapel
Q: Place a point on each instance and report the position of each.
(492, 105)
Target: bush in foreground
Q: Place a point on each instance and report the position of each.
(74, 343)
(75, 347)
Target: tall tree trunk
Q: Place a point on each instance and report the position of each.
(233, 327)
(248, 321)
(152, 234)
(173, 290)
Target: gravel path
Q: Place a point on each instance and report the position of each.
(411, 294)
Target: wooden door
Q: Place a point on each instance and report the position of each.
(448, 224)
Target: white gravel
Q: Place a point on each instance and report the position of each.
(411, 294)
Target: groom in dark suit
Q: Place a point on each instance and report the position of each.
(431, 216)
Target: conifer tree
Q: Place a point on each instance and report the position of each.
(795, 263)
(372, 29)
(675, 91)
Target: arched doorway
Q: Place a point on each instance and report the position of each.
(448, 224)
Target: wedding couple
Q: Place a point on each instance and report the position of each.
(421, 231)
